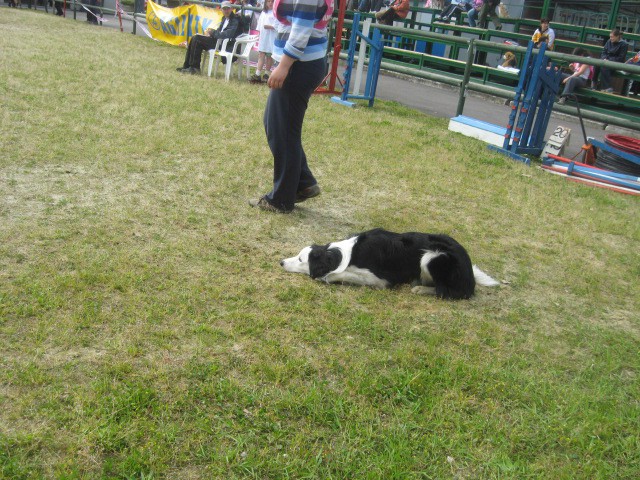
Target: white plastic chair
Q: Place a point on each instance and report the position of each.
(221, 45)
(241, 50)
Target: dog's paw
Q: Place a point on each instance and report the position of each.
(422, 290)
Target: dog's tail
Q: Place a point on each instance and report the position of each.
(484, 279)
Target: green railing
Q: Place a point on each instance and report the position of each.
(466, 82)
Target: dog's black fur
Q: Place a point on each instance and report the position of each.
(386, 259)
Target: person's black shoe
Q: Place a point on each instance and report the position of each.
(307, 193)
(263, 204)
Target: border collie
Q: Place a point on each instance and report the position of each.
(433, 264)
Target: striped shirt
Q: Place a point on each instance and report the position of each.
(300, 37)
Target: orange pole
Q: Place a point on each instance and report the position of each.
(332, 76)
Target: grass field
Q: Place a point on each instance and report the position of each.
(148, 331)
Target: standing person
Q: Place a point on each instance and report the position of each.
(544, 34)
(92, 13)
(615, 50)
(581, 76)
(488, 10)
(396, 11)
(59, 9)
(265, 44)
(300, 48)
(229, 28)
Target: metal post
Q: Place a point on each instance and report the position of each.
(613, 15)
(467, 76)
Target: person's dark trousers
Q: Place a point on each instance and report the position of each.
(364, 5)
(197, 44)
(573, 84)
(605, 78)
(59, 10)
(376, 5)
(93, 12)
(283, 117)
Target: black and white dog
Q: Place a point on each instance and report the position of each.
(434, 264)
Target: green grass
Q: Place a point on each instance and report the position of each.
(148, 331)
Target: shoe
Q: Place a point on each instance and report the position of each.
(180, 69)
(263, 204)
(307, 193)
(265, 77)
(562, 100)
(190, 70)
(255, 78)
(608, 90)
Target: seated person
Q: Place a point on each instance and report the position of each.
(544, 34)
(632, 87)
(456, 7)
(228, 28)
(398, 10)
(509, 60)
(615, 50)
(472, 15)
(581, 76)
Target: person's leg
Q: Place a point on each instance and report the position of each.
(200, 43)
(605, 78)
(482, 18)
(571, 85)
(188, 53)
(472, 16)
(283, 118)
(495, 18)
(387, 17)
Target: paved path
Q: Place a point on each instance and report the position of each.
(442, 101)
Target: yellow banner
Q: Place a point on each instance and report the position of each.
(177, 25)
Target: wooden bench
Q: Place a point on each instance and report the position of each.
(610, 98)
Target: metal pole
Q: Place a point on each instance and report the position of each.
(613, 16)
(465, 79)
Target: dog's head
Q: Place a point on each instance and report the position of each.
(315, 261)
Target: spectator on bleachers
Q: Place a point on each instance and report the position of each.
(488, 12)
(580, 77)
(615, 50)
(455, 7)
(633, 86)
(472, 15)
(544, 34)
(509, 60)
(397, 10)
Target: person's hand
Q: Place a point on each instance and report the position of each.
(279, 75)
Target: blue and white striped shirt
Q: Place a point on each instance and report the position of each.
(300, 39)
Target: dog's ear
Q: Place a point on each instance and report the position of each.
(323, 261)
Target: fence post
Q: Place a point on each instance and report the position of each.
(465, 79)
